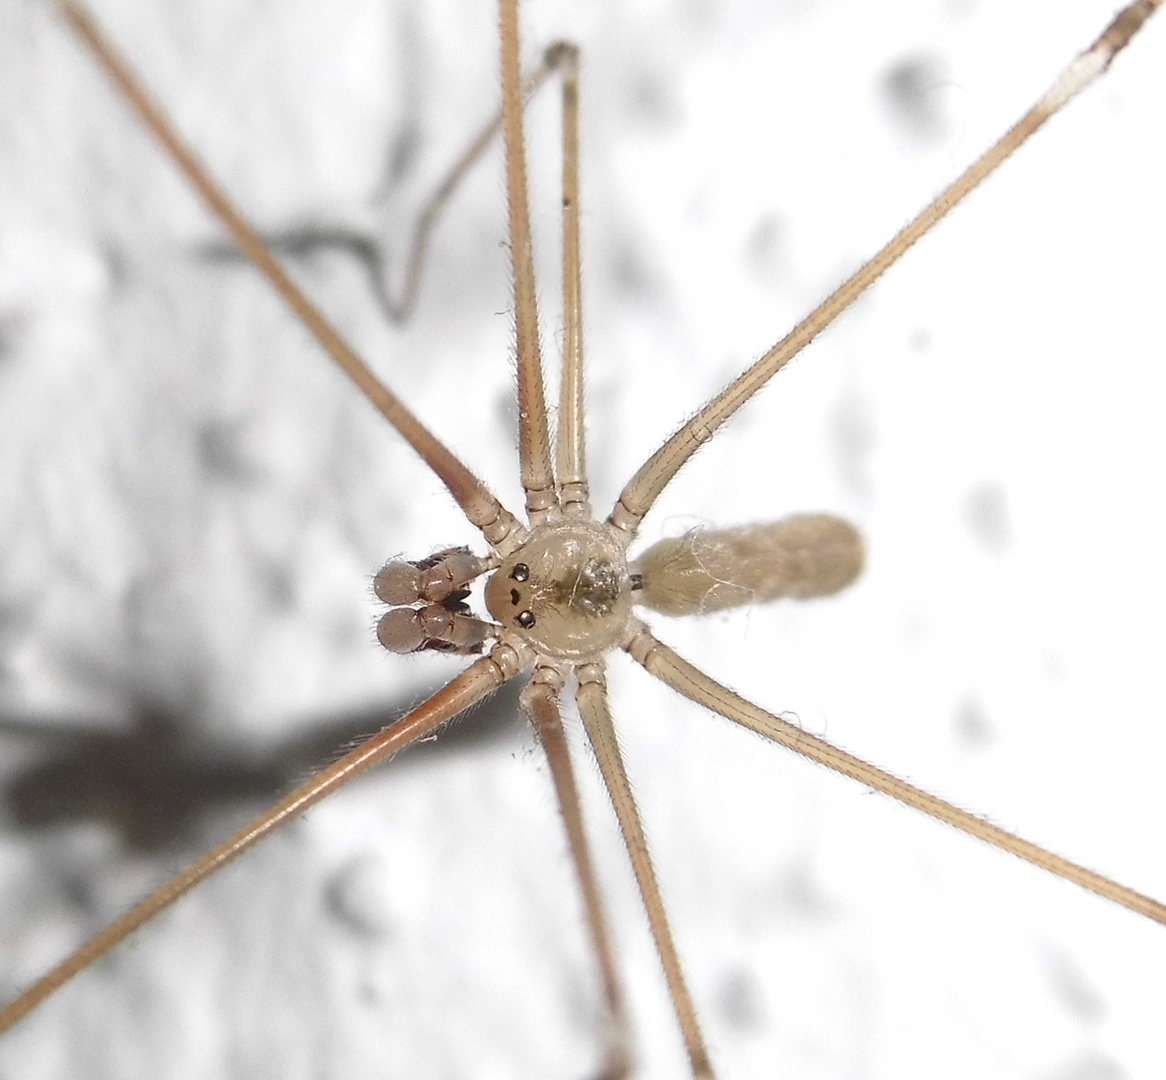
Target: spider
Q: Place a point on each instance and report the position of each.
(736, 994)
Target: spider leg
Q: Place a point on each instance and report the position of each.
(593, 707)
(657, 472)
(571, 448)
(479, 679)
(500, 527)
(400, 306)
(693, 684)
(534, 443)
(540, 702)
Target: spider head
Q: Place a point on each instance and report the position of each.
(566, 590)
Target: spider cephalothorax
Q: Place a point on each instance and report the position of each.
(567, 590)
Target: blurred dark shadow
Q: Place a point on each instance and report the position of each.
(155, 782)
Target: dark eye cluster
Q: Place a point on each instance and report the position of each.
(520, 573)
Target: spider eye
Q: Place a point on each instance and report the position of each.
(520, 572)
(525, 620)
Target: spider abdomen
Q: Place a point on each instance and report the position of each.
(709, 570)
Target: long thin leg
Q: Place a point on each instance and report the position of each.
(473, 684)
(540, 700)
(534, 442)
(398, 304)
(687, 680)
(592, 698)
(400, 307)
(498, 525)
(572, 442)
(571, 458)
(651, 479)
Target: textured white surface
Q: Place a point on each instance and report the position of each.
(989, 416)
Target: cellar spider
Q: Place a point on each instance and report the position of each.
(816, 943)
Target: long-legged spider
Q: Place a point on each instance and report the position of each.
(825, 925)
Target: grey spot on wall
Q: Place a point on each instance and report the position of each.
(740, 1000)
(12, 324)
(1072, 987)
(800, 893)
(765, 249)
(222, 453)
(973, 728)
(650, 98)
(403, 152)
(854, 437)
(986, 517)
(1089, 1065)
(353, 898)
(506, 414)
(277, 580)
(629, 272)
(911, 91)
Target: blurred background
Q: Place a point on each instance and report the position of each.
(192, 505)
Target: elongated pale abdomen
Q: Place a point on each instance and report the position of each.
(713, 569)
